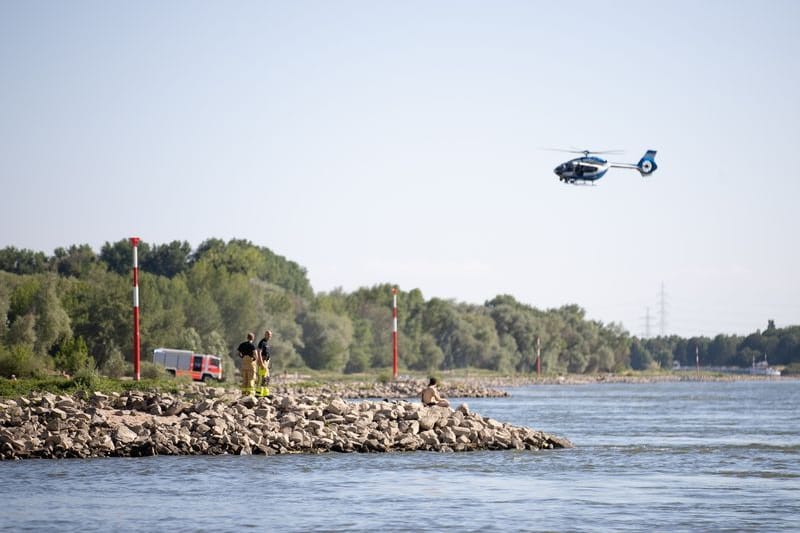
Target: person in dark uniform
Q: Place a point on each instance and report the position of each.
(262, 374)
(247, 351)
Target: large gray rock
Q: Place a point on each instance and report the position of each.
(124, 435)
(337, 407)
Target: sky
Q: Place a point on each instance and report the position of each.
(407, 142)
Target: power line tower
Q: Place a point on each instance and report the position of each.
(662, 306)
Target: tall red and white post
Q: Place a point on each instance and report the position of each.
(394, 332)
(697, 358)
(538, 356)
(136, 348)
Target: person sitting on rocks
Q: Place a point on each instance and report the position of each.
(430, 396)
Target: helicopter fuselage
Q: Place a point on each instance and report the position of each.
(582, 169)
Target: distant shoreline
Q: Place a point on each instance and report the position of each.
(462, 380)
(578, 379)
(487, 386)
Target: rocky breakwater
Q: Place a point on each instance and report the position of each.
(393, 389)
(140, 424)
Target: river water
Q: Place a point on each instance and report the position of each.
(683, 456)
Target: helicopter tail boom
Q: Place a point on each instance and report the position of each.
(645, 166)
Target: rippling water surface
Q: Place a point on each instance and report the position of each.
(665, 456)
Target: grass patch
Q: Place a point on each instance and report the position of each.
(86, 382)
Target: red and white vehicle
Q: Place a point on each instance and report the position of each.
(201, 367)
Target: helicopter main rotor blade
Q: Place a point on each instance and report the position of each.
(563, 150)
(585, 152)
(599, 152)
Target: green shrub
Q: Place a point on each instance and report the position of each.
(73, 355)
(116, 366)
(20, 361)
(86, 378)
(150, 370)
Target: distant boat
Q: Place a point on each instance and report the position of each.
(762, 368)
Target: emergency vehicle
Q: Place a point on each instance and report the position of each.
(201, 367)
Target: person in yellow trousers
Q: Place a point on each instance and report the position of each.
(249, 355)
(262, 374)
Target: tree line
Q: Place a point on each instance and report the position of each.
(72, 310)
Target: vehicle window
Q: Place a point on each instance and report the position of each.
(197, 364)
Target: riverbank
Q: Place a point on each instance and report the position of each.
(213, 421)
(460, 386)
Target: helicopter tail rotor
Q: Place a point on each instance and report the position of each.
(647, 164)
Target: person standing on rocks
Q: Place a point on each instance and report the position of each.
(248, 354)
(262, 374)
(430, 396)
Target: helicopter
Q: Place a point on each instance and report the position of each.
(588, 169)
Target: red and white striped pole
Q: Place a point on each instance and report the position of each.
(136, 352)
(394, 331)
(697, 358)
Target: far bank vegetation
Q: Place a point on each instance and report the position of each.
(70, 312)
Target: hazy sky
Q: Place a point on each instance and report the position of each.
(401, 142)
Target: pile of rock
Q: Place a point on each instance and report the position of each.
(395, 389)
(137, 424)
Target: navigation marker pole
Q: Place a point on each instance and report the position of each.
(697, 358)
(136, 352)
(538, 356)
(394, 332)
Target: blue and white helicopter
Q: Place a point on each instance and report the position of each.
(588, 169)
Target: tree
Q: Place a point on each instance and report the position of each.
(238, 302)
(207, 246)
(788, 349)
(22, 261)
(100, 309)
(431, 356)
(189, 339)
(5, 304)
(162, 318)
(214, 343)
(641, 359)
(22, 331)
(722, 350)
(74, 261)
(327, 339)
(240, 256)
(118, 257)
(359, 357)
(237, 257)
(202, 312)
(168, 260)
(52, 323)
(23, 297)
